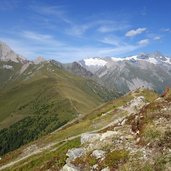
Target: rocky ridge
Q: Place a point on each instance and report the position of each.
(137, 141)
(151, 70)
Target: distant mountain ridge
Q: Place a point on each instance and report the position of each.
(150, 70)
(129, 73)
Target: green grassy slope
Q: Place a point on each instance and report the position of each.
(55, 156)
(7, 75)
(42, 99)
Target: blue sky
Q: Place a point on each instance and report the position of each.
(69, 30)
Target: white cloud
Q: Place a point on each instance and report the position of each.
(143, 42)
(36, 36)
(166, 30)
(41, 38)
(20, 47)
(135, 32)
(105, 29)
(69, 54)
(112, 40)
(48, 10)
(157, 38)
(50, 16)
(111, 26)
(102, 26)
(65, 53)
(78, 30)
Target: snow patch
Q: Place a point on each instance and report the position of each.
(168, 60)
(151, 60)
(95, 62)
(117, 59)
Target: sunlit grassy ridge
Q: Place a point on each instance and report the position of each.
(95, 120)
(42, 99)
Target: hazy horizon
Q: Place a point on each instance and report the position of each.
(69, 31)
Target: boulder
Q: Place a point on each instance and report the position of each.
(69, 168)
(98, 154)
(75, 153)
(89, 137)
(106, 169)
(108, 134)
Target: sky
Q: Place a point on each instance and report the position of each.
(70, 30)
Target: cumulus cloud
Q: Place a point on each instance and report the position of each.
(143, 42)
(132, 33)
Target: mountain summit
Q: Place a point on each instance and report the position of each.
(7, 54)
(39, 60)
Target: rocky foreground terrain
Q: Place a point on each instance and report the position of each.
(130, 133)
(141, 140)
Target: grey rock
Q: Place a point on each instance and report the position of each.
(106, 169)
(89, 137)
(39, 60)
(7, 67)
(124, 74)
(7, 54)
(69, 168)
(75, 153)
(98, 154)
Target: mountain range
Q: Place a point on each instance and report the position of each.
(151, 70)
(51, 104)
(124, 74)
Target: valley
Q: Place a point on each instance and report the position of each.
(67, 116)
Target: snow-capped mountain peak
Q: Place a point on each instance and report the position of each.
(95, 62)
(154, 58)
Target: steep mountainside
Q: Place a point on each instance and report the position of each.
(132, 132)
(148, 70)
(38, 97)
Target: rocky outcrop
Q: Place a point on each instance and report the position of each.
(7, 54)
(75, 153)
(39, 60)
(89, 137)
(98, 154)
(141, 135)
(125, 74)
(70, 167)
